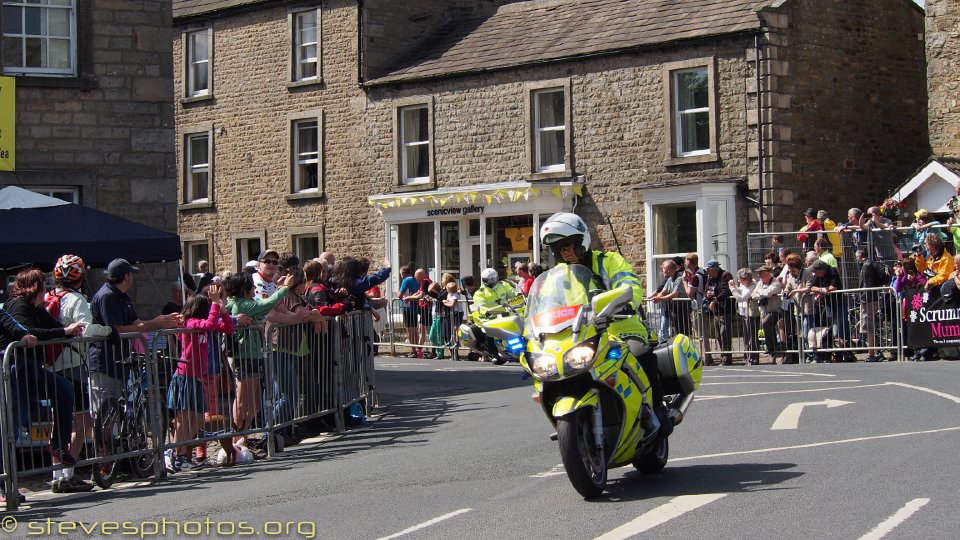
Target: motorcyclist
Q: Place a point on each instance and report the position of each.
(492, 292)
(568, 237)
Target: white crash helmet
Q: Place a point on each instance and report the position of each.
(489, 277)
(563, 225)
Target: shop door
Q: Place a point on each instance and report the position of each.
(450, 248)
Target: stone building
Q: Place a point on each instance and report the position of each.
(473, 121)
(94, 113)
(937, 180)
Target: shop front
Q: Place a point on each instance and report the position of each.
(461, 231)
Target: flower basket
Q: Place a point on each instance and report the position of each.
(893, 209)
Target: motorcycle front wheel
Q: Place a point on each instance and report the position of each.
(586, 465)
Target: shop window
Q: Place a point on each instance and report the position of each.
(198, 65)
(414, 245)
(306, 45)
(40, 37)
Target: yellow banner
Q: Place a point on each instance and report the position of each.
(8, 124)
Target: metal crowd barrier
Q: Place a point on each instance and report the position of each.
(291, 373)
(409, 329)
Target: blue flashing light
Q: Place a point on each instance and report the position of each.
(516, 345)
(615, 353)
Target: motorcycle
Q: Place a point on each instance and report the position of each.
(590, 385)
(484, 333)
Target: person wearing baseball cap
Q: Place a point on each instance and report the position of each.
(111, 306)
(813, 225)
(767, 295)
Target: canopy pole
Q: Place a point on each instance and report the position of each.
(183, 286)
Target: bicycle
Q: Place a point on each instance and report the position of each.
(121, 426)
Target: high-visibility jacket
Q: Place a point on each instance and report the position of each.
(614, 271)
(487, 297)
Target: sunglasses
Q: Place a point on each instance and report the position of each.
(270, 261)
(561, 245)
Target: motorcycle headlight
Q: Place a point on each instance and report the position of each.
(542, 365)
(579, 357)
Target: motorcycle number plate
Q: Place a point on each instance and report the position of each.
(40, 432)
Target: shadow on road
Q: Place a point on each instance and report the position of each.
(700, 479)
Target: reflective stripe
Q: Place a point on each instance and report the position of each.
(621, 275)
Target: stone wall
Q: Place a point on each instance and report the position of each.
(943, 72)
(845, 99)
(109, 131)
(249, 116)
(620, 133)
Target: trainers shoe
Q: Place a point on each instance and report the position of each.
(3, 498)
(58, 486)
(170, 462)
(185, 464)
(74, 485)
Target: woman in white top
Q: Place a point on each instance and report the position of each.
(741, 289)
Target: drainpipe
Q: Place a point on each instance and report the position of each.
(360, 42)
(756, 45)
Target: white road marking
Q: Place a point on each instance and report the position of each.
(555, 471)
(662, 514)
(776, 372)
(895, 520)
(754, 394)
(815, 445)
(740, 383)
(790, 417)
(954, 399)
(765, 375)
(426, 524)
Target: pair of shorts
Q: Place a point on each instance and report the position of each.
(186, 394)
(245, 368)
(426, 316)
(104, 388)
(409, 318)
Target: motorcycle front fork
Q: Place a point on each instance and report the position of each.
(597, 426)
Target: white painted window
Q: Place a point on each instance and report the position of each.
(247, 249)
(691, 108)
(195, 252)
(198, 63)
(306, 151)
(40, 37)
(306, 246)
(306, 34)
(71, 194)
(549, 130)
(197, 170)
(414, 144)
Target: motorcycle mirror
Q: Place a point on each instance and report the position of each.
(606, 304)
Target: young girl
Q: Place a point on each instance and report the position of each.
(205, 314)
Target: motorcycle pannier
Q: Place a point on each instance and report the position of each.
(680, 366)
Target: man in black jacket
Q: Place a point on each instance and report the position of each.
(719, 308)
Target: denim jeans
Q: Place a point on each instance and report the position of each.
(286, 386)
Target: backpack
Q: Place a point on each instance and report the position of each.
(701, 295)
(51, 302)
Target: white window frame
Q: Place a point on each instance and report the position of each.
(299, 57)
(241, 250)
(191, 61)
(54, 191)
(703, 195)
(305, 158)
(190, 261)
(71, 70)
(679, 113)
(406, 146)
(540, 130)
(190, 168)
(298, 234)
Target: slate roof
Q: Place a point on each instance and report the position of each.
(540, 31)
(190, 8)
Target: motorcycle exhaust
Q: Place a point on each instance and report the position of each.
(679, 410)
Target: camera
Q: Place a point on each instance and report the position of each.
(869, 215)
(916, 248)
(763, 301)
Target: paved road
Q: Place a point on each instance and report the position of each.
(460, 451)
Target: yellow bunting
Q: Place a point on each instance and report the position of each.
(557, 192)
(578, 189)
(516, 196)
(473, 198)
(458, 198)
(489, 198)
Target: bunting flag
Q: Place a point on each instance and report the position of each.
(489, 198)
(578, 189)
(498, 195)
(557, 192)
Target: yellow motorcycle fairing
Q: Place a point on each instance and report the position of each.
(567, 405)
(503, 328)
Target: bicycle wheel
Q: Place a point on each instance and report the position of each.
(107, 433)
(138, 438)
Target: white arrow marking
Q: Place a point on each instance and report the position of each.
(790, 417)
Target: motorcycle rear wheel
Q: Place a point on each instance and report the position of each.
(654, 459)
(586, 465)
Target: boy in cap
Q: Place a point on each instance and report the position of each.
(812, 226)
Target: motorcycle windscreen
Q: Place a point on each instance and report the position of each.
(558, 297)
